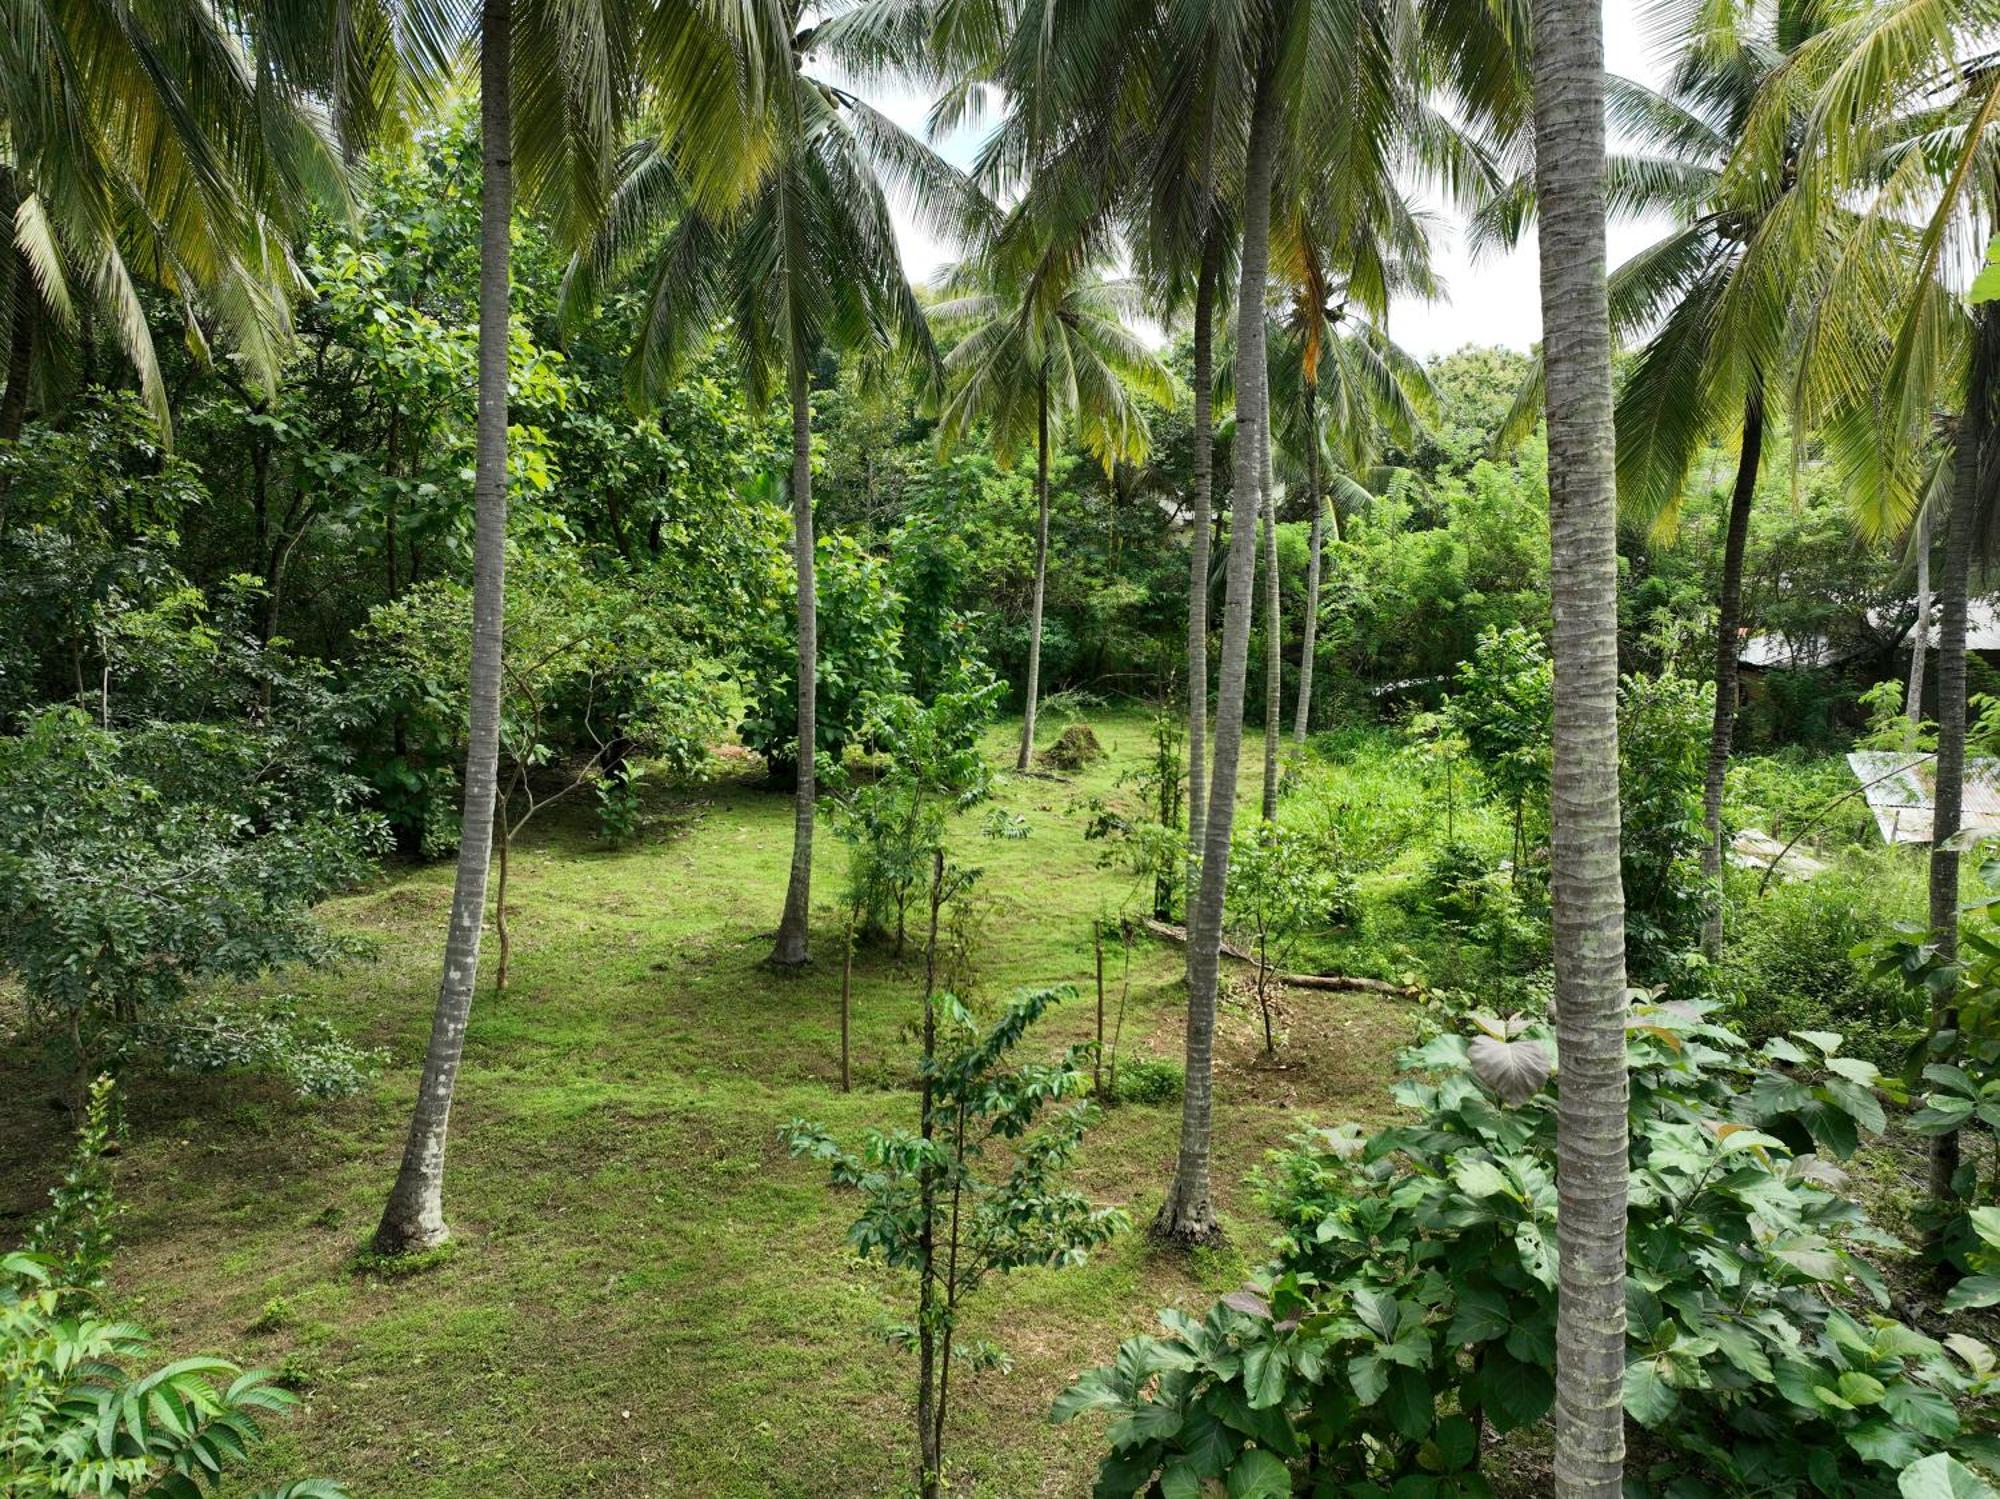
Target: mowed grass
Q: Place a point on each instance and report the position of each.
(646, 1295)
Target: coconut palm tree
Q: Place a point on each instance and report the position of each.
(1342, 391)
(173, 145)
(1714, 298)
(807, 265)
(1027, 363)
(566, 72)
(1589, 907)
(1900, 117)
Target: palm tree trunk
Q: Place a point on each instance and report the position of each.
(1728, 618)
(1592, 1165)
(1953, 589)
(1920, 633)
(1198, 560)
(414, 1216)
(792, 948)
(1041, 573)
(1188, 1215)
(1274, 631)
(1309, 632)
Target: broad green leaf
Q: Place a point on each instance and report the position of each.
(1264, 1374)
(1649, 1399)
(1477, 1178)
(1942, 1476)
(1482, 1315)
(1259, 1475)
(1974, 1290)
(1410, 1406)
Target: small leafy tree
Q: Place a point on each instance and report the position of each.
(596, 672)
(977, 1189)
(1504, 711)
(1153, 846)
(138, 866)
(895, 823)
(75, 1418)
(1280, 888)
(1663, 731)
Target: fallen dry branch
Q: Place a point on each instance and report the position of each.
(1343, 981)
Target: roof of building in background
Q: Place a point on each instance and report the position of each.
(1796, 652)
(1899, 788)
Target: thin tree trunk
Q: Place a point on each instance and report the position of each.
(1041, 574)
(846, 1004)
(1198, 561)
(929, 1458)
(414, 1216)
(1949, 796)
(1920, 633)
(1188, 1215)
(792, 948)
(1309, 632)
(1728, 616)
(1097, 1060)
(500, 932)
(1274, 627)
(1589, 908)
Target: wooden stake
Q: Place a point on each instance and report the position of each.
(846, 986)
(1097, 1066)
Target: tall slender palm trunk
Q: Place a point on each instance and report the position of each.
(1974, 427)
(793, 945)
(1920, 632)
(1198, 558)
(414, 1216)
(1728, 620)
(1589, 907)
(1274, 629)
(1309, 631)
(1188, 1214)
(1027, 754)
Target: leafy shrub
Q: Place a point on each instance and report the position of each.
(1411, 1304)
(313, 1058)
(1149, 1080)
(137, 865)
(1789, 966)
(75, 1417)
(860, 657)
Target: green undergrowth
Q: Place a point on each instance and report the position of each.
(645, 1295)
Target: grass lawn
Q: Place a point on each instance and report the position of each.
(646, 1295)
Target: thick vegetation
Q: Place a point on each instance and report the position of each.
(965, 814)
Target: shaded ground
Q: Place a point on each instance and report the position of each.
(647, 1297)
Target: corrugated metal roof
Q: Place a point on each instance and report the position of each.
(1899, 788)
(1982, 633)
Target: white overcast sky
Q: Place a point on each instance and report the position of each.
(1496, 301)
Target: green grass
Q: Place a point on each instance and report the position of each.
(646, 1296)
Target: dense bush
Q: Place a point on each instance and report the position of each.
(860, 657)
(1789, 965)
(1410, 1308)
(137, 867)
